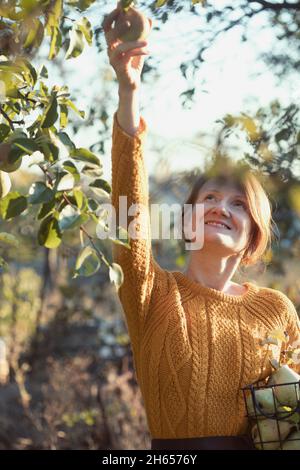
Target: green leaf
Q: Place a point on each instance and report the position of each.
(160, 3)
(101, 184)
(72, 221)
(49, 234)
(34, 31)
(87, 263)
(76, 45)
(8, 239)
(93, 205)
(229, 120)
(92, 170)
(278, 334)
(121, 238)
(78, 194)
(28, 71)
(43, 72)
(86, 28)
(40, 193)
(75, 109)
(71, 168)
(52, 152)
(56, 42)
(12, 205)
(43, 89)
(82, 5)
(27, 145)
(283, 134)
(46, 209)
(66, 183)
(4, 131)
(9, 66)
(46, 146)
(63, 122)
(66, 141)
(94, 218)
(119, 242)
(54, 12)
(116, 275)
(85, 155)
(51, 114)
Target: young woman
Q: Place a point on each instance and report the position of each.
(195, 335)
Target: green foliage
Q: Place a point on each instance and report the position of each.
(35, 118)
(116, 275)
(87, 263)
(12, 205)
(28, 25)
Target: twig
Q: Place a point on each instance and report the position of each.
(99, 252)
(67, 18)
(47, 174)
(8, 119)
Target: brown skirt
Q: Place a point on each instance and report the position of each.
(204, 443)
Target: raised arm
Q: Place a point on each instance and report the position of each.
(129, 178)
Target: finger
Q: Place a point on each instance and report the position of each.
(127, 46)
(125, 57)
(118, 52)
(135, 52)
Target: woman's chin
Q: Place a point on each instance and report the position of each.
(217, 237)
(216, 242)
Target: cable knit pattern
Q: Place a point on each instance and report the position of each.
(194, 347)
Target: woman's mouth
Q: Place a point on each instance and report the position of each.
(218, 225)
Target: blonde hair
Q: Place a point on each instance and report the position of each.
(242, 175)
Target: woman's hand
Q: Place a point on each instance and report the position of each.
(126, 58)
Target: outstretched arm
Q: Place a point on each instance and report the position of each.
(130, 180)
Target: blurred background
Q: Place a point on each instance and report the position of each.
(222, 76)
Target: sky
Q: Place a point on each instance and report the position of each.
(235, 81)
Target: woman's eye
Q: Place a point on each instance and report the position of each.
(241, 203)
(209, 195)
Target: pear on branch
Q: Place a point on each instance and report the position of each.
(131, 24)
(9, 158)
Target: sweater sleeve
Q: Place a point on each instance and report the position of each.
(130, 179)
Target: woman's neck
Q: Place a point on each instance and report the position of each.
(214, 272)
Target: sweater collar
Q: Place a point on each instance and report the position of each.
(197, 288)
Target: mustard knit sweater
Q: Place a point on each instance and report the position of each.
(194, 347)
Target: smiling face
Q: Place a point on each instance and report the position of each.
(227, 221)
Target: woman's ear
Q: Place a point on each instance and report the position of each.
(151, 22)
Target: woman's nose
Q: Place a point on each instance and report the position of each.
(221, 208)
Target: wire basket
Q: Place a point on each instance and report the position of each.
(273, 413)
